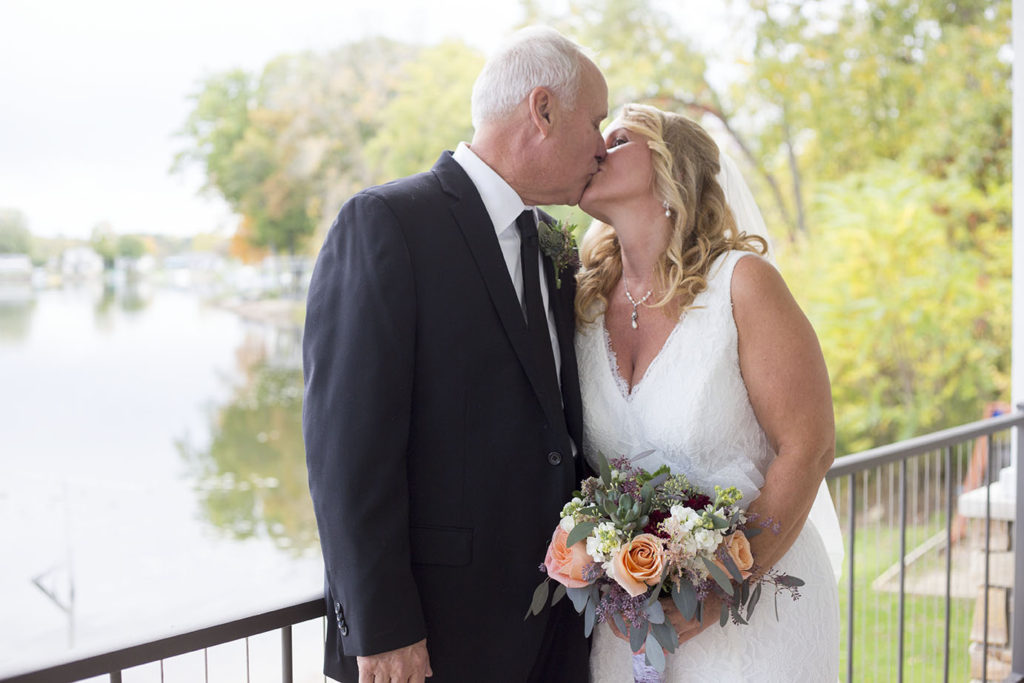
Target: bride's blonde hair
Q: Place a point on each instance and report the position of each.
(685, 161)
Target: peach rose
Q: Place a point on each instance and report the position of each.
(565, 565)
(639, 563)
(738, 548)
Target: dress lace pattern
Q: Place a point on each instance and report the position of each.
(692, 411)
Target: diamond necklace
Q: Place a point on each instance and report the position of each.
(645, 297)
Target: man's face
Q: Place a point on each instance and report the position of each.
(575, 145)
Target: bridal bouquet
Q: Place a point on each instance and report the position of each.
(630, 537)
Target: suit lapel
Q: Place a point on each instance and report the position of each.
(562, 300)
(468, 210)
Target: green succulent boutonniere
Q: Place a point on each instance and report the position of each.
(558, 244)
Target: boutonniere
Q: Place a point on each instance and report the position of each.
(558, 244)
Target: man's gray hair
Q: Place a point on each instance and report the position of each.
(533, 57)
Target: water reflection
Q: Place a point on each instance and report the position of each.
(251, 480)
(17, 304)
(97, 388)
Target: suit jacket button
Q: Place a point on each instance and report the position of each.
(343, 629)
(555, 458)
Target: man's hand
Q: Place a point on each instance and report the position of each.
(409, 664)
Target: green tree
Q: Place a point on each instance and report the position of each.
(104, 242)
(14, 235)
(130, 246)
(252, 478)
(840, 85)
(429, 112)
(907, 283)
(283, 147)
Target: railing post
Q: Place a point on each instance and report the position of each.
(1017, 672)
(949, 560)
(850, 595)
(903, 568)
(286, 654)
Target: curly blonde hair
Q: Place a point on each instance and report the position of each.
(685, 163)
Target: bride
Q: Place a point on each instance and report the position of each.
(691, 346)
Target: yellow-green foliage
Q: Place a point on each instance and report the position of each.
(907, 282)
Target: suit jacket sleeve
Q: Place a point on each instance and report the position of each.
(358, 351)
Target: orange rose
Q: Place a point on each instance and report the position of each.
(639, 563)
(565, 565)
(738, 548)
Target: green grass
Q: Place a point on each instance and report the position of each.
(876, 614)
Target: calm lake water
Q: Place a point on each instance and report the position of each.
(152, 475)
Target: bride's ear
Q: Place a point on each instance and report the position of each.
(542, 104)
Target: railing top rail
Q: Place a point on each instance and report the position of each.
(901, 450)
(81, 666)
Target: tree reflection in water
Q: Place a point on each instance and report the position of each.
(17, 306)
(251, 480)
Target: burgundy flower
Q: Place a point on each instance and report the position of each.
(654, 521)
(697, 501)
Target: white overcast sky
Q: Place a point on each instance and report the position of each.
(91, 92)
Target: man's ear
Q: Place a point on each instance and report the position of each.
(542, 104)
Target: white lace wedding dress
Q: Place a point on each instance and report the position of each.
(691, 407)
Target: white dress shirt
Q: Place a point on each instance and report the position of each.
(504, 206)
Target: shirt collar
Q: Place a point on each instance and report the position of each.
(502, 203)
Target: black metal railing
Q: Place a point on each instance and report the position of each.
(114, 662)
(887, 499)
(918, 523)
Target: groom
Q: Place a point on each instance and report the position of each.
(442, 413)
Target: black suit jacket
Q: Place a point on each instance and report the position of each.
(437, 465)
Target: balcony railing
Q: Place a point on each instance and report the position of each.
(926, 592)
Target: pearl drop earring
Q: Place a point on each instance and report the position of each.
(668, 210)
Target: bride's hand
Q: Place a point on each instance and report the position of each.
(685, 628)
(689, 628)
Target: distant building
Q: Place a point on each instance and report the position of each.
(15, 267)
(81, 263)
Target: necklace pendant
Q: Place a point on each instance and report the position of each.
(633, 321)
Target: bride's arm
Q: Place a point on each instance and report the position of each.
(786, 379)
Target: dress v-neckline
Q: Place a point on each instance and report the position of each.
(621, 383)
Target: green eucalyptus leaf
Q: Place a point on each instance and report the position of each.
(655, 613)
(791, 581)
(637, 635)
(558, 594)
(719, 521)
(751, 532)
(723, 615)
(578, 597)
(719, 576)
(604, 468)
(589, 618)
(731, 567)
(579, 532)
(754, 597)
(684, 596)
(540, 597)
(658, 480)
(666, 635)
(655, 655)
(620, 623)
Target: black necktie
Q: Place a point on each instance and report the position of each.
(536, 315)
